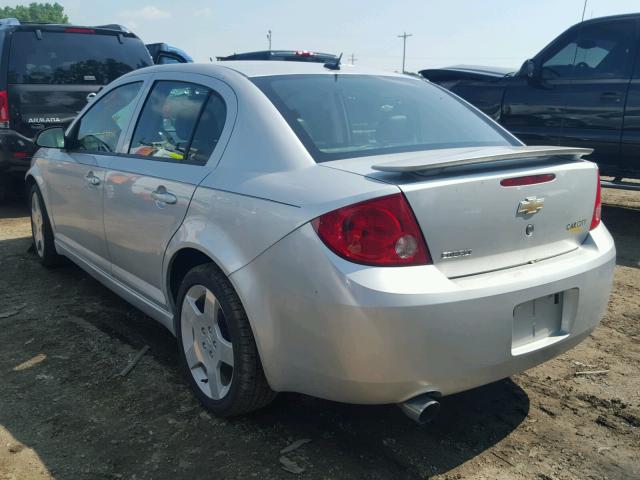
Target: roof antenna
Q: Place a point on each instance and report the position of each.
(333, 64)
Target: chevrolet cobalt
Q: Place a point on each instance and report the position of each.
(360, 236)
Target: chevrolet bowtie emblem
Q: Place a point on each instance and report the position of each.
(530, 205)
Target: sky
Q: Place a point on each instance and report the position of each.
(478, 32)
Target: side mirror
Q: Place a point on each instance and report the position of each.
(531, 69)
(51, 138)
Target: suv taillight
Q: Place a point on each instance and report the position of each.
(380, 232)
(4, 109)
(597, 208)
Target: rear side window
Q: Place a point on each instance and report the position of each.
(344, 116)
(73, 58)
(180, 121)
(101, 127)
(209, 129)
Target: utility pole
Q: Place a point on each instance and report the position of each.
(404, 46)
(269, 38)
(353, 59)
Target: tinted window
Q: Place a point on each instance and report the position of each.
(208, 130)
(604, 50)
(342, 116)
(168, 119)
(73, 58)
(600, 50)
(165, 59)
(101, 127)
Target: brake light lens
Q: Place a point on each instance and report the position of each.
(379, 232)
(304, 53)
(79, 30)
(527, 180)
(597, 208)
(4, 109)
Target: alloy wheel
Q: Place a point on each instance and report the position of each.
(206, 342)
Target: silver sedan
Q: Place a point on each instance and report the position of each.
(359, 236)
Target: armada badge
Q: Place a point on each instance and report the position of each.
(530, 205)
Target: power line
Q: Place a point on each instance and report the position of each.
(404, 37)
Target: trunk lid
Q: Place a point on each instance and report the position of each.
(473, 224)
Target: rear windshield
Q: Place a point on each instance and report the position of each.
(344, 116)
(73, 58)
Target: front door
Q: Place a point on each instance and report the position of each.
(533, 108)
(75, 179)
(150, 185)
(594, 108)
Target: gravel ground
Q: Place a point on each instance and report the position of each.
(65, 414)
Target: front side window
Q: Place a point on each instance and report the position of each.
(343, 116)
(168, 120)
(605, 50)
(101, 127)
(599, 50)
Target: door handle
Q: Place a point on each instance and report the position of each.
(92, 179)
(611, 96)
(161, 195)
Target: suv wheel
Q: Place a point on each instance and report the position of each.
(41, 231)
(217, 348)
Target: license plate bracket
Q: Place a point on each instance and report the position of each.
(538, 322)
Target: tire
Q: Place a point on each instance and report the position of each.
(213, 332)
(41, 231)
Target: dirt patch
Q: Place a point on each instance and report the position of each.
(66, 414)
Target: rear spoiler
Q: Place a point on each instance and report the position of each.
(455, 157)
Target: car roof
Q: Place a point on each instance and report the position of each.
(264, 68)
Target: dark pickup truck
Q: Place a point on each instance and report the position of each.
(582, 90)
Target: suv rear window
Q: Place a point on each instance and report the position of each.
(344, 116)
(73, 58)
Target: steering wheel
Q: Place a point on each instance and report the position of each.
(582, 65)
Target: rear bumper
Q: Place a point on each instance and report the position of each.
(357, 334)
(15, 153)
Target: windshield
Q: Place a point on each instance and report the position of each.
(344, 116)
(73, 58)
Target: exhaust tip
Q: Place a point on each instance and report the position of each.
(421, 409)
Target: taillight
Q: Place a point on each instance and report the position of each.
(380, 232)
(4, 109)
(527, 180)
(597, 208)
(79, 30)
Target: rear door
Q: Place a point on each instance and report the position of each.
(176, 142)
(75, 179)
(52, 70)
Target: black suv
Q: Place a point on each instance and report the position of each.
(581, 90)
(46, 73)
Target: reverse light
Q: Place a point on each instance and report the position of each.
(597, 208)
(4, 109)
(380, 232)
